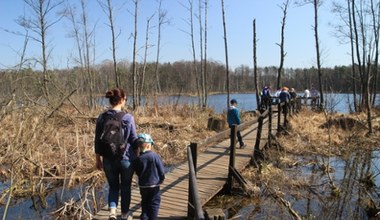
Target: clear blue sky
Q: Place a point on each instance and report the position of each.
(175, 43)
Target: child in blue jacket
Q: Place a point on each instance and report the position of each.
(151, 173)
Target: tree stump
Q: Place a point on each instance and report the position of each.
(216, 124)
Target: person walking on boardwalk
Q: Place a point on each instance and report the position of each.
(114, 135)
(285, 98)
(265, 98)
(306, 95)
(151, 173)
(233, 118)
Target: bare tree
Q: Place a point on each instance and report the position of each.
(141, 79)
(226, 54)
(205, 92)
(284, 9)
(316, 5)
(162, 19)
(255, 62)
(134, 62)
(108, 9)
(40, 23)
(375, 12)
(363, 25)
(87, 34)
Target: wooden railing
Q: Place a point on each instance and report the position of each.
(194, 207)
(283, 110)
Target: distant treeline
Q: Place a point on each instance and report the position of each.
(175, 78)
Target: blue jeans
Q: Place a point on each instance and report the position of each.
(150, 203)
(119, 176)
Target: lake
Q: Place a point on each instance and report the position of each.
(335, 102)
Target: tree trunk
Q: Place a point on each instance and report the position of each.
(320, 77)
(255, 64)
(281, 45)
(134, 62)
(226, 54)
(352, 56)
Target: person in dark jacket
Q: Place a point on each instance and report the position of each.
(233, 118)
(118, 171)
(285, 98)
(151, 173)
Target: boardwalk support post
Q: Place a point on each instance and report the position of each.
(232, 172)
(279, 117)
(257, 153)
(232, 157)
(236, 174)
(286, 110)
(194, 207)
(270, 126)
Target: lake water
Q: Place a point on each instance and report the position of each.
(340, 103)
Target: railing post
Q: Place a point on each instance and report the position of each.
(278, 117)
(258, 136)
(194, 154)
(286, 106)
(232, 157)
(194, 207)
(270, 126)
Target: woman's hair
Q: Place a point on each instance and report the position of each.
(115, 96)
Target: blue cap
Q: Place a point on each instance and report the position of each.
(145, 138)
(233, 101)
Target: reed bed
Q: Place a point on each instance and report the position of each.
(43, 149)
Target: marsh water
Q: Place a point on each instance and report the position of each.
(311, 197)
(308, 190)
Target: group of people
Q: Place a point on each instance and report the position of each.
(285, 94)
(136, 156)
(281, 95)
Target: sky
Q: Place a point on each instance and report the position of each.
(175, 38)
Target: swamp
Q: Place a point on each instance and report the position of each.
(324, 167)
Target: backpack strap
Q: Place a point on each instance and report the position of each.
(119, 116)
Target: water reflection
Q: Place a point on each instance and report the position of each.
(310, 191)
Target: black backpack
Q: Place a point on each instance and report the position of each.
(112, 138)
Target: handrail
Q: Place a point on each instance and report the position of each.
(194, 199)
(226, 133)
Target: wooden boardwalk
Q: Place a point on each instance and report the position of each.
(212, 173)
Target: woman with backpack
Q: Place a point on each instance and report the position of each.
(114, 134)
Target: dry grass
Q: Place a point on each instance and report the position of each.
(41, 151)
(311, 135)
(334, 134)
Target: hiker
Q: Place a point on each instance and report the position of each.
(276, 96)
(284, 98)
(116, 166)
(306, 95)
(265, 98)
(314, 96)
(233, 118)
(151, 173)
(293, 93)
